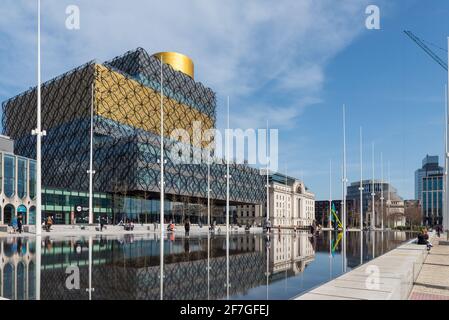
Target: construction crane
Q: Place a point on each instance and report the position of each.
(423, 46)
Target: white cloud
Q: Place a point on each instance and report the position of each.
(237, 46)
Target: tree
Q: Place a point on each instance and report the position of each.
(412, 212)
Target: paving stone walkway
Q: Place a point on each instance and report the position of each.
(433, 280)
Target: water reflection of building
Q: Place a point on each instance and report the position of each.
(17, 269)
(290, 253)
(373, 245)
(128, 268)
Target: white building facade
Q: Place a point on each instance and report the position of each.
(291, 203)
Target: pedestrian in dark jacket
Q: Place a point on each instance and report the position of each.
(187, 226)
(19, 223)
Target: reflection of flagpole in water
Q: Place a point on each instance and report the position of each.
(268, 264)
(374, 244)
(227, 204)
(38, 267)
(330, 254)
(361, 246)
(208, 266)
(382, 239)
(90, 267)
(208, 189)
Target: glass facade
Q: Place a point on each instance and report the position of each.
(126, 144)
(429, 190)
(22, 177)
(10, 174)
(62, 204)
(432, 199)
(32, 179)
(18, 182)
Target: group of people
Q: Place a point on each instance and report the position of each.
(171, 226)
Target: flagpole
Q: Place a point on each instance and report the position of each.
(227, 203)
(361, 181)
(91, 170)
(344, 169)
(382, 192)
(446, 214)
(446, 162)
(38, 129)
(389, 193)
(373, 219)
(161, 213)
(268, 179)
(330, 194)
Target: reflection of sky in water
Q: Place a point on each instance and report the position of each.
(128, 267)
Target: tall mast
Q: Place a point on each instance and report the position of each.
(361, 180)
(38, 131)
(330, 194)
(267, 178)
(344, 170)
(373, 218)
(382, 192)
(161, 243)
(227, 202)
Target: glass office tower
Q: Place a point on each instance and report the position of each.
(429, 190)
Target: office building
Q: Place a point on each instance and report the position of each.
(429, 190)
(122, 99)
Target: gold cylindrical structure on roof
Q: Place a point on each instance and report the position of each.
(178, 61)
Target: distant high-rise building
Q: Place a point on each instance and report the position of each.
(429, 190)
(393, 204)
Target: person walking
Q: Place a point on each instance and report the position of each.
(102, 222)
(187, 227)
(268, 226)
(19, 223)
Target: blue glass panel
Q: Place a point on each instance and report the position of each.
(9, 175)
(21, 178)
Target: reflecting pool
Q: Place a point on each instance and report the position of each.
(252, 266)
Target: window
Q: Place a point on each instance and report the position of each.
(10, 173)
(1, 177)
(21, 177)
(32, 179)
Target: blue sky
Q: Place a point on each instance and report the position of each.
(294, 64)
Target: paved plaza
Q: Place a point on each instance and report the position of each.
(433, 280)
